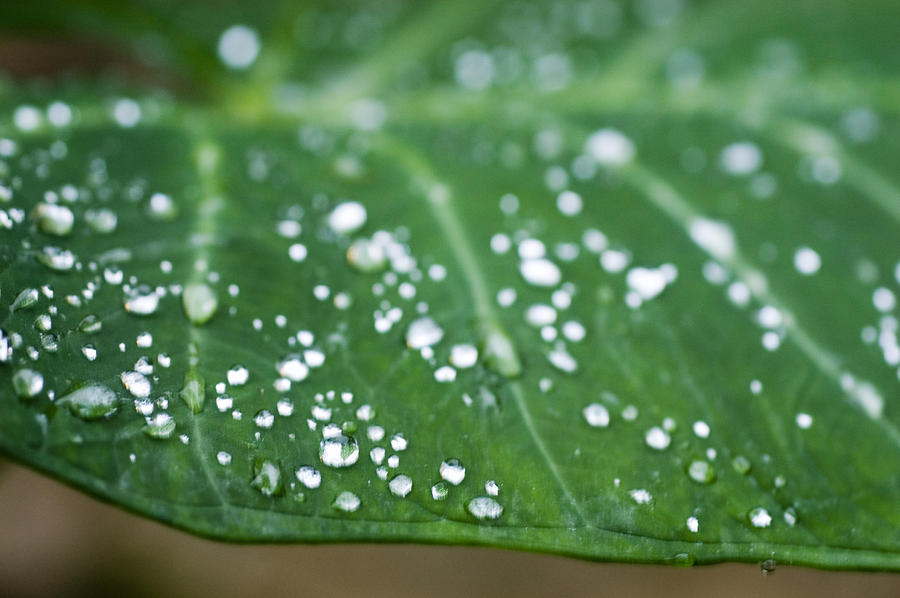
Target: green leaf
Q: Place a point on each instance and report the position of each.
(607, 280)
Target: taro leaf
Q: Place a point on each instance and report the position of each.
(633, 267)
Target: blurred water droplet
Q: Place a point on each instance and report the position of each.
(28, 383)
(199, 302)
(346, 502)
(485, 508)
(422, 333)
(161, 425)
(400, 485)
(452, 471)
(91, 402)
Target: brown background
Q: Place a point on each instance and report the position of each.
(55, 541)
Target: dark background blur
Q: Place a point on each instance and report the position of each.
(55, 541)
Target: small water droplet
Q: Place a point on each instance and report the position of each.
(596, 415)
(367, 255)
(347, 217)
(701, 472)
(759, 517)
(422, 333)
(264, 419)
(28, 383)
(400, 485)
(224, 458)
(741, 464)
(61, 260)
(440, 491)
(90, 324)
(540, 272)
(237, 375)
(452, 471)
(309, 477)
(657, 438)
(463, 356)
(339, 451)
(346, 502)
(266, 478)
(141, 300)
(293, 368)
(161, 425)
(136, 383)
(485, 508)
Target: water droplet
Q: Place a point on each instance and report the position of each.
(463, 356)
(293, 368)
(28, 383)
(346, 502)
(640, 496)
(223, 458)
(237, 375)
(422, 333)
(400, 485)
(485, 508)
(540, 314)
(264, 419)
(399, 442)
(25, 299)
(309, 477)
(596, 415)
(741, 464)
(199, 302)
(43, 322)
(53, 219)
(238, 47)
(89, 352)
(347, 217)
(713, 236)
(657, 438)
(693, 524)
(610, 147)
(540, 272)
(61, 260)
(452, 471)
(101, 221)
(701, 429)
(367, 256)
(492, 488)
(141, 300)
(440, 491)
(91, 402)
(741, 158)
(161, 426)
(499, 352)
(445, 374)
(193, 393)
(701, 472)
(267, 478)
(339, 451)
(759, 517)
(807, 261)
(136, 383)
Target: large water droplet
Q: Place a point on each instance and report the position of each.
(193, 393)
(53, 219)
(267, 478)
(452, 471)
(485, 508)
(28, 383)
(161, 425)
(422, 333)
(91, 402)
(346, 502)
(141, 300)
(701, 471)
(339, 451)
(199, 302)
(657, 438)
(25, 299)
(400, 485)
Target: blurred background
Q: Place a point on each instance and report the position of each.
(55, 541)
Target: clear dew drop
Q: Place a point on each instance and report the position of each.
(55, 258)
(540, 272)
(91, 402)
(452, 471)
(339, 451)
(463, 356)
(401, 485)
(485, 508)
(28, 383)
(25, 299)
(701, 471)
(160, 426)
(596, 415)
(347, 502)
(199, 302)
(657, 438)
(267, 478)
(238, 47)
(440, 491)
(422, 333)
(193, 393)
(309, 477)
(347, 217)
(237, 375)
(53, 219)
(759, 517)
(264, 419)
(141, 301)
(136, 383)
